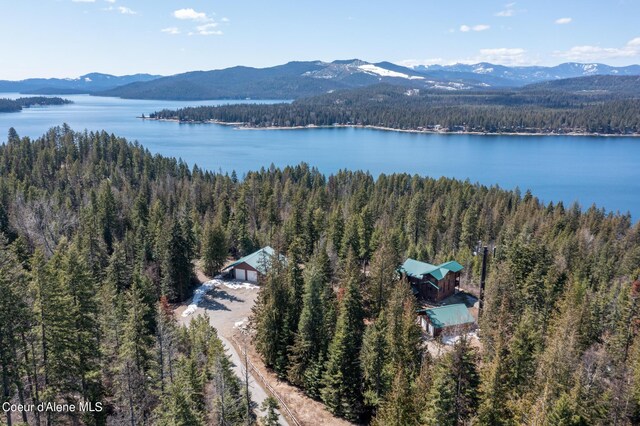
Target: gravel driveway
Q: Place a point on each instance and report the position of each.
(228, 305)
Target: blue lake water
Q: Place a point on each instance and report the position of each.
(604, 171)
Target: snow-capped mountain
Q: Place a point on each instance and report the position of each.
(531, 74)
(299, 79)
(288, 81)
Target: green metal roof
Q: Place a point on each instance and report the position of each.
(259, 260)
(417, 269)
(450, 315)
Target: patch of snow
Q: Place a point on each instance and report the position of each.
(452, 340)
(375, 70)
(87, 79)
(200, 292)
(412, 92)
(482, 70)
(440, 86)
(235, 285)
(241, 324)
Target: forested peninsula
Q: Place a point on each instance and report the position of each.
(550, 108)
(98, 237)
(16, 105)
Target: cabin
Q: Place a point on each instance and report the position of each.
(432, 282)
(251, 267)
(448, 320)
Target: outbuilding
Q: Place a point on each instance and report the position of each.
(449, 319)
(251, 267)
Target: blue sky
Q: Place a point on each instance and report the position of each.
(68, 38)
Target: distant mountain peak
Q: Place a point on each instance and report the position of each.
(520, 75)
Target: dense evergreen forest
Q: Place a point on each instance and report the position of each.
(15, 105)
(99, 236)
(559, 108)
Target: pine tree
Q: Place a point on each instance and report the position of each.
(398, 408)
(166, 337)
(310, 342)
(416, 219)
(383, 275)
(14, 320)
(107, 214)
(270, 405)
(270, 317)
(81, 287)
(214, 250)
(494, 389)
(135, 360)
(404, 335)
(342, 391)
(453, 397)
(295, 284)
(176, 264)
(374, 359)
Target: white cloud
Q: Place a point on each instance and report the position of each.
(208, 29)
(562, 21)
(110, 1)
(171, 30)
(507, 11)
(596, 53)
(190, 14)
(634, 42)
(83, 1)
(126, 11)
(225, 19)
(480, 27)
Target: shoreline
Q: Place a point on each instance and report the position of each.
(243, 126)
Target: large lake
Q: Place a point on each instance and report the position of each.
(604, 171)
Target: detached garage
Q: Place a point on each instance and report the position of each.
(251, 267)
(448, 320)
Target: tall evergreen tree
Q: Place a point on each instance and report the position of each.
(214, 250)
(342, 391)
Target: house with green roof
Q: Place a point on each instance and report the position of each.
(449, 319)
(252, 266)
(432, 282)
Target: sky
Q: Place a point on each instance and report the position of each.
(69, 38)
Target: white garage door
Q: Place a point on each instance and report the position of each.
(252, 276)
(241, 274)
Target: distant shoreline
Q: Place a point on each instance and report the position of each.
(244, 126)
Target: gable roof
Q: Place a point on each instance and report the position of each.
(417, 269)
(259, 260)
(450, 315)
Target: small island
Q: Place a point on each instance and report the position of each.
(16, 105)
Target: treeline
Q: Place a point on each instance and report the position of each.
(15, 105)
(500, 111)
(99, 235)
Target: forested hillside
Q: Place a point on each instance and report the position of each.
(611, 108)
(99, 236)
(15, 105)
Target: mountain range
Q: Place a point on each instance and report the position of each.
(87, 83)
(300, 79)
